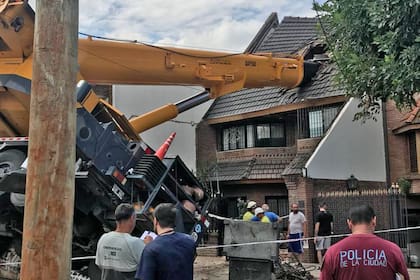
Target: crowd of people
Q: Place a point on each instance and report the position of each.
(297, 225)
(170, 255)
(362, 255)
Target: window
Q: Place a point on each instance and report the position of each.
(249, 136)
(329, 115)
(413, 152)
(234, 138)
(320, 119)
(263, 132)
(250, 141)
(316, 127)
(270, 135)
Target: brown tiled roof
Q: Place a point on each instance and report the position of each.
(255, 168)
(412, 117)
(291, 35)
(268, 168)
(253, 100)
(231, 171)
(410, 121)
(296, 165)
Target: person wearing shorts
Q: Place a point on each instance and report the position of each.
(323, 230)
(297, 229)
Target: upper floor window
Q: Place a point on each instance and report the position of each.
(253, 135)
(412, 145)
(316, 127)
(270, 135)
(234, 138)
(314, 122)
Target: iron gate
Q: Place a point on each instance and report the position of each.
(389, 205)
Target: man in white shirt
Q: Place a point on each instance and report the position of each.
(118, 253)
(297, 229)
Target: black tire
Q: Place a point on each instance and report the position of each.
(11, 160)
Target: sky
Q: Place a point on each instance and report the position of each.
(228, 25)
(212, 24)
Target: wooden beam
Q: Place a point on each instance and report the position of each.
(406, 128)
(48, 221)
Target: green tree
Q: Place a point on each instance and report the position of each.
(376, 45)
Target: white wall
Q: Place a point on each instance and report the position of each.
(135, 100)
(350, 147)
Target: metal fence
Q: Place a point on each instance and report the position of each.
(389, 205)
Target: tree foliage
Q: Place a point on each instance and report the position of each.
(376, 45)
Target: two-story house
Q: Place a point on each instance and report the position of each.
(280, 146)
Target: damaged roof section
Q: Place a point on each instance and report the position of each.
(293, 34)
(260, 99)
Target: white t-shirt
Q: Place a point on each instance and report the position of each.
(119, 251)
(296, 222)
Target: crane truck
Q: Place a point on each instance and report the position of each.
(114, 164)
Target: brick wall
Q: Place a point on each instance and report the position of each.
(206, 144)
(340, 204)
(301, 191)
(322, 186)
(388, 208)
(307, 145)
(398, 150)
(304, 190)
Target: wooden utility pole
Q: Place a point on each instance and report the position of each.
(48, 222)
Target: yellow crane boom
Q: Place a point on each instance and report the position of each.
(117, 62)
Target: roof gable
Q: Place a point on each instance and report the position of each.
(289, 36)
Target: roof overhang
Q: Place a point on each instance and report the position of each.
(280, 109)
(406, 128)
(254, 181)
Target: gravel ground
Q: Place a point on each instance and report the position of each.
(212, 268)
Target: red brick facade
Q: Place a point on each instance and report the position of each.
(295, 187)
(398, 151)
(206, 144)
